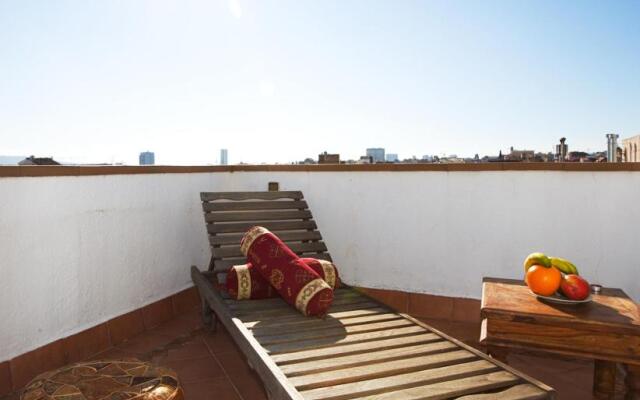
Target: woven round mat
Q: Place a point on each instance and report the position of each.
(106, 380)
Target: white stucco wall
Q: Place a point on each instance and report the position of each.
(77, 251)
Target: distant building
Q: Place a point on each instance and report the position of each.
(520, 155)
(365, 160)
(391, 157)
(326, 158)
(147, 158)
(38, 161)
(223, 157)
(427, 158)
(631, 149)
(562, 150)
(376, 154)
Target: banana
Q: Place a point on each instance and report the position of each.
(536, 259)
(563, 265)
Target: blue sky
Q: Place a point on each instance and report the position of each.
(278, 81)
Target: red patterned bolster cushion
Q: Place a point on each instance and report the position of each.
(246, 282)
(295, 281)
(326, 269)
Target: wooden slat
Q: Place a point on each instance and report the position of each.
(312, 247)
(336, 351)
(523, 391)
(340, 293)
(224, 265)
(297, 320)
(285, 309)
(484, 356)
(298, 236)
(254, 205)
(271, 225)
(291, 312)
(308, 325)
(342, 340)
(211, 196)
(332, 332)
(333, 363)
(397, 382)
(448, 389)
(255, 216)
(264, 304)
(372, 371)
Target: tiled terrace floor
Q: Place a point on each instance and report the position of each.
(211, 367)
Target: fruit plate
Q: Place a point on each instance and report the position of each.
(559, 299)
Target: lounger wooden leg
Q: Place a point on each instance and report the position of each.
(633, 382)
(604, 379)
(208, 316)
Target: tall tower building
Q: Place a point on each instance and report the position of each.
(147, 158)
(562, 150)
(223, 157)
(612, 147)
(376, 154)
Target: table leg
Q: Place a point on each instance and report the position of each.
(498, 352)
(632, 382)
(604, 379)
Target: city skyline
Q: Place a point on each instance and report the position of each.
(100, 82)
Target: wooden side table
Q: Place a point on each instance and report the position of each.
(606, 330)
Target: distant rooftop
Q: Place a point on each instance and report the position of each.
(38, 161)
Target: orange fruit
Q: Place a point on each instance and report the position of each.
(543, 281)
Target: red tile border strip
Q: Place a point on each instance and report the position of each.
(422, 305)
(64, 170)
(6, 385)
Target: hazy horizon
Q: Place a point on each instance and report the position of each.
(280, 81)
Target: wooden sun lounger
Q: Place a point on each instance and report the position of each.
(362, 349)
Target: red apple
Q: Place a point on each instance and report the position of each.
(574, 287)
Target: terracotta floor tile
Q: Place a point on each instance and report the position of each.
(177, 327)
(5, 378)
(220, 342)
(572, 378)
(115, 353)
(156, 313)
(195, 369)
(87, 343)
(233, 362)
(12, 396)
(194, 348)
(249, 385)
(145, 343)
(216, 388)
(125, 326)
(26, 366)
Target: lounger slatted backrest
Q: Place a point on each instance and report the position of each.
(228, 215)
(362, 349)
